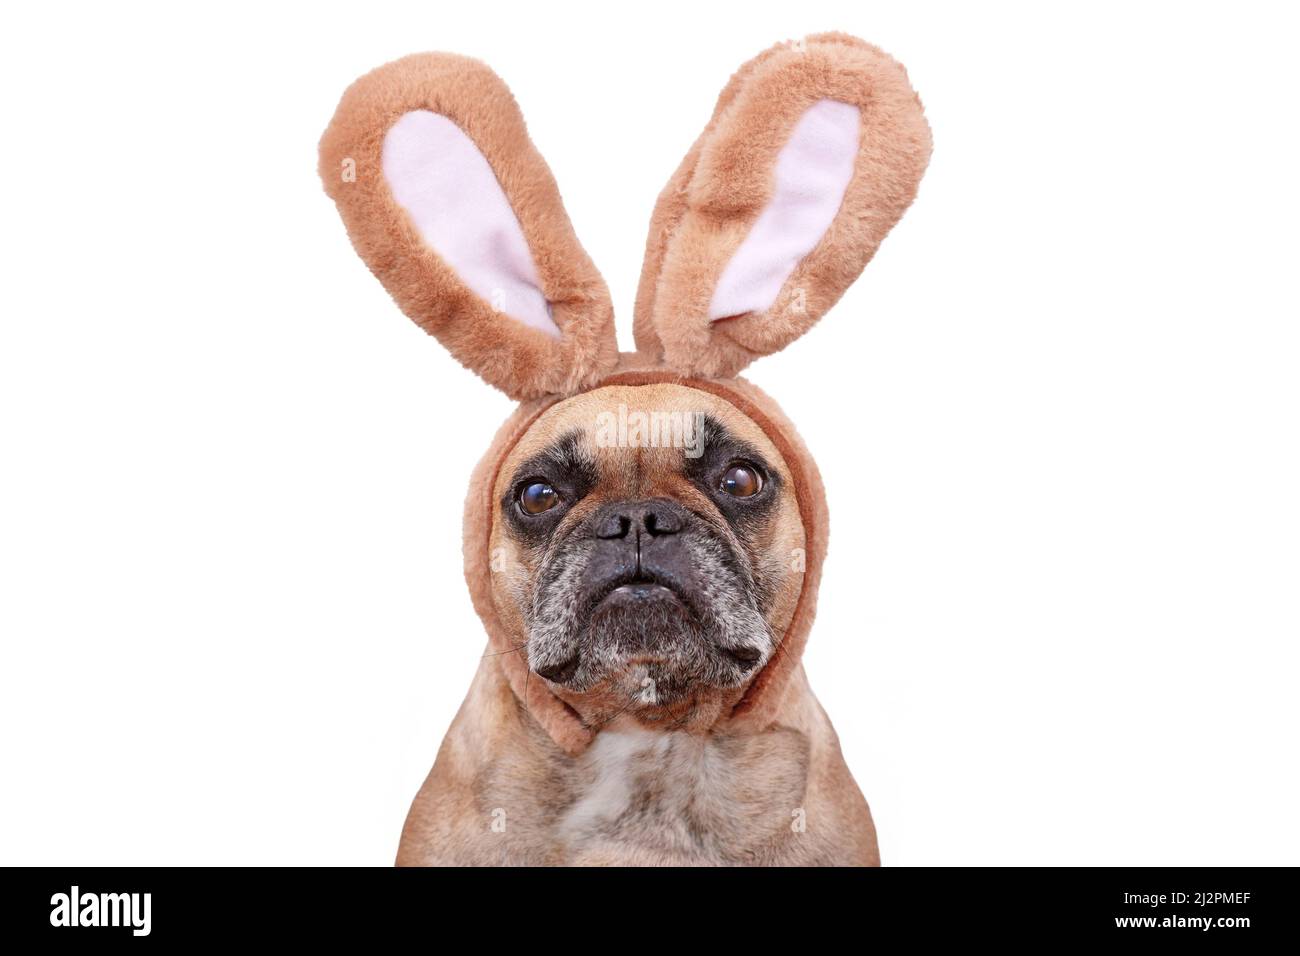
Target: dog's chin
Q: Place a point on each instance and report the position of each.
(648, 651)
(645, 644)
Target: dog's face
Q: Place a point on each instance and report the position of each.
(647, 546)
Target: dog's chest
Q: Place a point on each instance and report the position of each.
(646, 796)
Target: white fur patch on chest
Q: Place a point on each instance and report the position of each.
(643, 796)
(619, 767)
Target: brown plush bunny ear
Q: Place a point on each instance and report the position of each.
(451, 206)
(814, 151)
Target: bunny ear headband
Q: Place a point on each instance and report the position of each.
(813, 152)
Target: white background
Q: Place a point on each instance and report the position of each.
(1057, 417)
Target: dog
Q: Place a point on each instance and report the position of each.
(645, 534)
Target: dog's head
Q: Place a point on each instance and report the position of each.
(647, 543)
(627, 573)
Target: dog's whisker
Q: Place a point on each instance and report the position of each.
(620, 712)
(514, 649)
(681, 721)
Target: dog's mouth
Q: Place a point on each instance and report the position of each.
(644, 594)
(638, 592)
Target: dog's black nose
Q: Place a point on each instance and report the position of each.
(655, 517)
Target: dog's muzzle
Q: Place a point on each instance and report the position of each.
(639, 555)
(652, 585)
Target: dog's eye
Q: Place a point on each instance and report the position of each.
(538, 497)
(741, 481)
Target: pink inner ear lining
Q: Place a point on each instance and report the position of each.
(811, 176)
(448, 189)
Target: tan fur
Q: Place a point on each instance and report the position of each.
(683, 800)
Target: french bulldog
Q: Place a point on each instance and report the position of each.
(645, 534)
